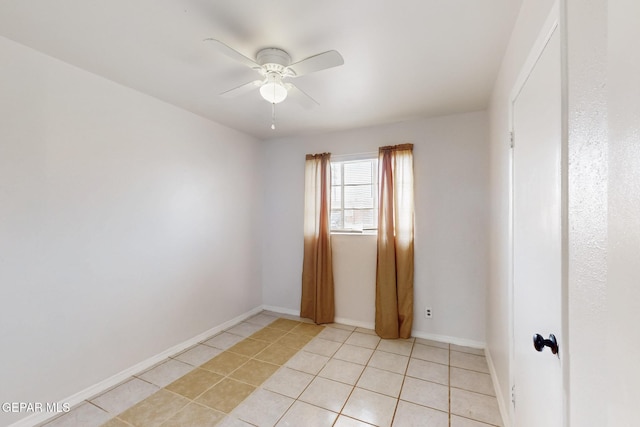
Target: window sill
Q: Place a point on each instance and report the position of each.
(356, 233)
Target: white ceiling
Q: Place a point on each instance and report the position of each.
(404, 59)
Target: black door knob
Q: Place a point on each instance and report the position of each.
(540, 343)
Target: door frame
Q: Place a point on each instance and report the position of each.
(552, 23)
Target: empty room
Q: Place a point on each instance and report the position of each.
(343, 213)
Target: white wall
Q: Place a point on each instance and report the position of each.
(604, 181)
(127, 226)
(603, 130)
(451, 236)
(623, 292)
(586, 26)
(354, 272)
(532, 15)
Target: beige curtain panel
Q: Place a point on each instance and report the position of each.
(317, 301)
(394, 273)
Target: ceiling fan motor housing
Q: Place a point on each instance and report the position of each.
(273, 60)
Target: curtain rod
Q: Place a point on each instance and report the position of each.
(355, 156)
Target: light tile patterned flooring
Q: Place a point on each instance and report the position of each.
(274, 370)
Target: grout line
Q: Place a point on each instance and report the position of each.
(449, 388)
(307, 386)
(298, 350)
(359, 376)
(404, 377)
(228, 375)
(283, 365)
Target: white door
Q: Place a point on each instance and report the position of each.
(538, 240)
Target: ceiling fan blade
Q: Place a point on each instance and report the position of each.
(301, 97)
(242, 89)
(233, 54)
(318, 62)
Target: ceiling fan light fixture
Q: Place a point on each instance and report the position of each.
(274, 92)
(274, 65)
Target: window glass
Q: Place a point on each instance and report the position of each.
(354, 195)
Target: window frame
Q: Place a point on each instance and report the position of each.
(355, 158)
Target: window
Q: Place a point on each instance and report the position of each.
(354, 195)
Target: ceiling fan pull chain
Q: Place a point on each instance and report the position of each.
(273, 116)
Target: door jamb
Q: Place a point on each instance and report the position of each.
(551, 24)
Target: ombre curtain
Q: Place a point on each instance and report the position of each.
(317, 301)
(394, 272)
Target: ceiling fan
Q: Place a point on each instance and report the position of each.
(274, 66)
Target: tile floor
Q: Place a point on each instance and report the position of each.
(274, 370)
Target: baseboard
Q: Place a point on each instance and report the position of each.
(120, 377)
(296, 313)
(504, 411)
(281, 310)
(451, 340)
(356, 323)
(370, 325)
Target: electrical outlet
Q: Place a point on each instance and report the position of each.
(428, 313)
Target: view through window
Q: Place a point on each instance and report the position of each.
(354, 195)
